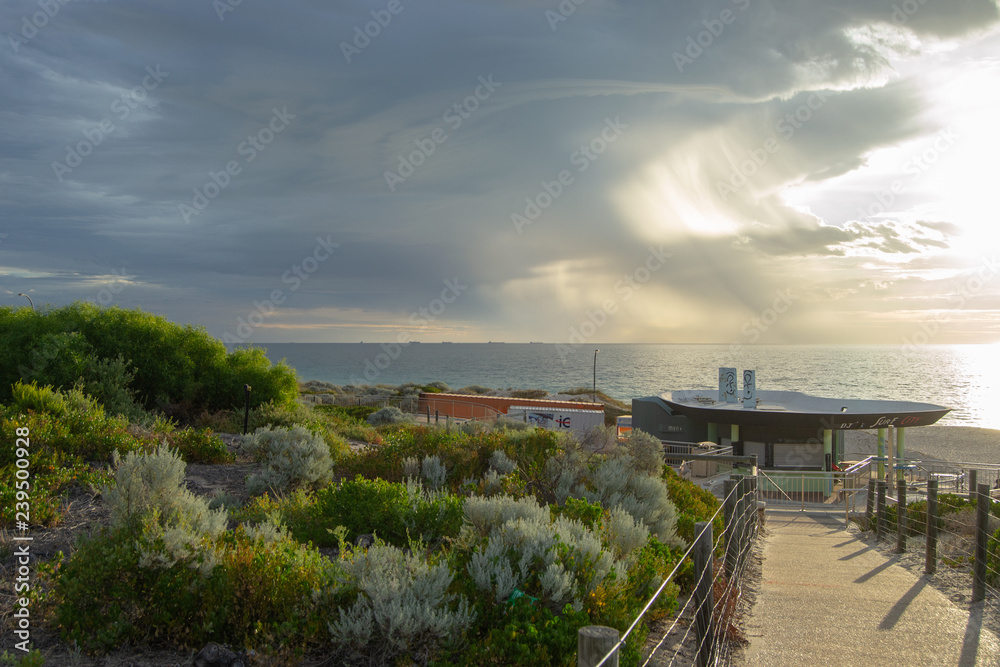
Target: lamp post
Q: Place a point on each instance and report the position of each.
(246, 415)
(595, 375)
(28, 298)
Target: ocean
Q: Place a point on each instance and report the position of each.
(965, 378)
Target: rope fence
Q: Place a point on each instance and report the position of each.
(708, 616)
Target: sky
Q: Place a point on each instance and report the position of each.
(574, 171)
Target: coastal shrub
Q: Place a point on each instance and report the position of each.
(258, 594)
(67, 432)
(616, 479)
(476, 389)
(693, 504)
(394, 512)
(557, 560)
(389, 415)
(199, 446)
(530, 635)
(993, 559)
(151, 486)
(403, 610)
(161, 364)
(529, 393)
(293, 458)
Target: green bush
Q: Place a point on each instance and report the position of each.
(258, 593)
(395, 512)
(993, 558)
(164, 365)
(693, 504)
(200, 446)
(529, 634)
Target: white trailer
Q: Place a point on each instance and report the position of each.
(558, 419)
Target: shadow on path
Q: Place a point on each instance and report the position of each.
(896, 612)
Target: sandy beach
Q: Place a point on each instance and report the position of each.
(955, 444)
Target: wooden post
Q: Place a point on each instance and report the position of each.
(703, 598)
(740, 524)
(729, 514)
(930, 559)
(982, 536)
(973, 483)
(870, 507)
(901, 515)
(593, 643)
(880, 510)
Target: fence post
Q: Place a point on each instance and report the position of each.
(973, 483)
(752, 505)
(982, 536)
(870, 507)
(593, 643)
(437, 416)
(930, 559)
(729, 514)
(880, 510)
(901, 516)
(702, 556)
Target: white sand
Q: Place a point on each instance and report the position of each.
(956, 444)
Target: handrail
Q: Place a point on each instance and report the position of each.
(764, 475)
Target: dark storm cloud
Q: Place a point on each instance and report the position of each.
(189, 184)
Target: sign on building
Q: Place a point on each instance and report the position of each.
(727, 385)
(750, 390)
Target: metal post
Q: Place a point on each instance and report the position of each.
(901, 516)
(930, 559)
(880, 510)
(982, 536)
(702, 556)
(729, 514)
(870, 507)
(595, 375)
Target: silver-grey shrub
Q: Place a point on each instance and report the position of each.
(628, 476)
(176, 525)
(523, 545)
(293, 458)
(389, 415)
(403, 608)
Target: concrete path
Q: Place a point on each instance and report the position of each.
(827, 598)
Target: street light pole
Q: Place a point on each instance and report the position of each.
(595, 375)
(28, 298)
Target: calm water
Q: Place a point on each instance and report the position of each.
(965, 378)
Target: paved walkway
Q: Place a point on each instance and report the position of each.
(827, 598)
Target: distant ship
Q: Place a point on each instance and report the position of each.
(535, 342)
(497, 342)
(446, 342)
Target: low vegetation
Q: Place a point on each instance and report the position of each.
(419, 544)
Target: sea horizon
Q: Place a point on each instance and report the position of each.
(963, 377)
